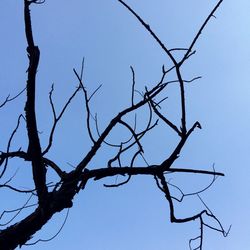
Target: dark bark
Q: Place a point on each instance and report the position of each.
(34, 148)
(19, 233)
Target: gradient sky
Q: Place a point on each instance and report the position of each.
(135, 216)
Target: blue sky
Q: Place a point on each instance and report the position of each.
(136, 216)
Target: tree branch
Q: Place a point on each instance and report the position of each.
(34, 148)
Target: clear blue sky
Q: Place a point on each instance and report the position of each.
(136, 216)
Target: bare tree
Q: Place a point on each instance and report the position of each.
(57, 196)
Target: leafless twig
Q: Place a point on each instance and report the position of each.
(9, 99)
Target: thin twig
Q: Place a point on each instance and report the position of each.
(86, 104)
(133, 85)
(54, 236)
(9, 144)
(200, 31)
(9, 99)
(57, 118)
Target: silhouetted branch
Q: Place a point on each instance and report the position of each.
(54, 236)
(200, 31)
(166, 164)
(57, 118)
(34, 148)
(86, 103)
(178, 49)
(18, 211)
(119, 184)
(115, 158)
(25, 156)
(8, 146)
(151, 94)
(210, 214)
(95, 91)
(9, 99)
(124, 149)
(54, 166)
(133, 133)
(153, 170)
(16, 189)
(55, 196)
(164, 188)
(183, 195)
(129, 176)
(162, 117)
(109, 143)
(148, 28)
(133, 85)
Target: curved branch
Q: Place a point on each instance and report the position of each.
(8, 146)
(54, 236)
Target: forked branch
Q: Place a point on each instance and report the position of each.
(55, 197)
